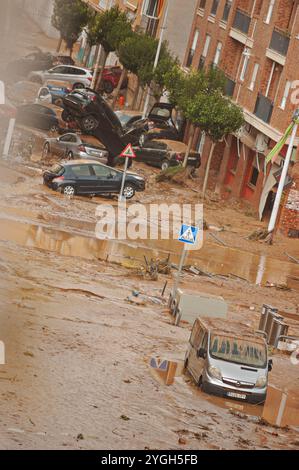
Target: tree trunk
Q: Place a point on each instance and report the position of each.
(205, 183)
(86, 55)
(59, 45)
(118, 88)
(98, 86)
(189, 146)
(135, 95)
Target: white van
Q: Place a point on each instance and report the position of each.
(226, 363)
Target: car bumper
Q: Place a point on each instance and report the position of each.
(215, 387)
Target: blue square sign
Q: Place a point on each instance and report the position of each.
(188, 234)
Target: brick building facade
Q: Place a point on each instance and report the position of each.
(256, 44)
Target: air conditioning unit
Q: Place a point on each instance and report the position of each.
(261, 143)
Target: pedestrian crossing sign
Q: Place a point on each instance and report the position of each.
(188, 234)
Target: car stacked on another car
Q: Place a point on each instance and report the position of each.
(74, 146)
(45, 117)
(90, 178)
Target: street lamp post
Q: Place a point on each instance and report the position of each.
(156, 58)
(274, 214)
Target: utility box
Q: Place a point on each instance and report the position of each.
(188, 307)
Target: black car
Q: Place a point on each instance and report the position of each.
(166, 153)
(90, 178)
(93, 115)
(37, 60)
(39, 116)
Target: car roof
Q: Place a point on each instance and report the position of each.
(72, 67)
(235, 329)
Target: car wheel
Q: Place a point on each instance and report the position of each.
(68, 190)
(129, 191)
(58, 102)
(77, 86)
(108, 87)
(70, 156)
(54, 128)
(89, 123)
(165, 165)
(46, 150)
(65, 116)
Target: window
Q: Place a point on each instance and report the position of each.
(270, 11)
(246, 55)
(152, 8)
(81, 170)
(218, 53)
(254, 75)
(67, 138)
(59, 69)
(101, 171)
(206, 46)
(214, 7)
(226, 11)
(285, 95)
(192, 49)
(202, 4)
(254, 176)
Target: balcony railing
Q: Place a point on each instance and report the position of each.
(201, 62)
(263, 108)
(229, 86)
(190, 58)
(242, 21)
(280, 42)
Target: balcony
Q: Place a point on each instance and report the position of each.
(263, 108)
(201, 62)
(229, 87)
(242, 22)
(280, 42)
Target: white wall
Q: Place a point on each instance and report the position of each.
(41, 12)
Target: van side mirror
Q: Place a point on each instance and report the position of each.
(270, 365)
(202, 353)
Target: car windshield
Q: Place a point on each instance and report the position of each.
(124, 118)
(238, 350)
(57, 169)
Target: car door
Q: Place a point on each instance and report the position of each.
(84, 178)
(56, 73)
(107, 179)
(195, 364)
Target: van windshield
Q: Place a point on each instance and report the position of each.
(240, 351)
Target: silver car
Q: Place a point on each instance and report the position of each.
(73, 146)
(76, 76)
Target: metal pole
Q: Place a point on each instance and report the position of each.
(8, 139)
(180, 269)
(156, 59)
(274, 214)
(95, 73)
(121, 197)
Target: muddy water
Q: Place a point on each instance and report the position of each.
(211, 258)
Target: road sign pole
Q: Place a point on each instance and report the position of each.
(179, 273)
(121, 196)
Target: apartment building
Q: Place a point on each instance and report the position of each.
(256, 44)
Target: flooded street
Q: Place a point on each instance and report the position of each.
(78, 351)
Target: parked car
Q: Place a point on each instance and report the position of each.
(39, 116)
(63, 60)
(76, 76)
(91, 178)
(74, 146)
(37, 60)
(111, 77)
(227, 363)
(166, 153)
(128, 118)
(54, 91)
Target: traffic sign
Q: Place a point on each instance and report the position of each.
(128, 152)
(188, 234)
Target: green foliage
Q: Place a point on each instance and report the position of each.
(109, 29)
(69, 18)
(200, 95)
(215, 114)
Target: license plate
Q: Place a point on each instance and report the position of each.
(241, 396)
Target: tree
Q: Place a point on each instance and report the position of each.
(217, 116)
(108, 29)
(69, 18)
